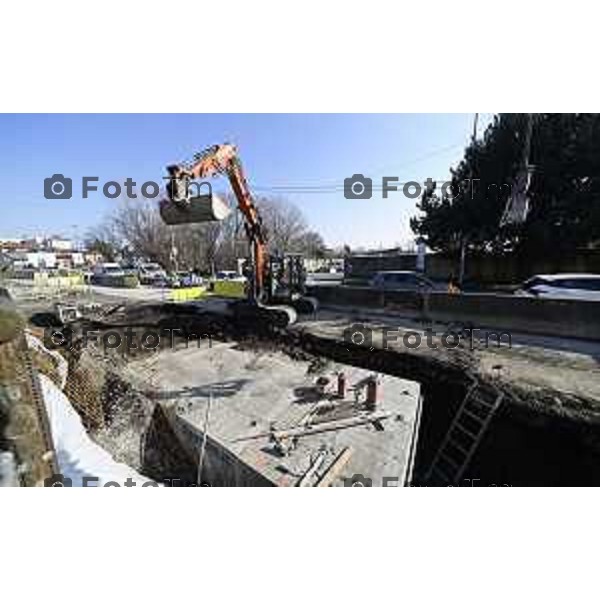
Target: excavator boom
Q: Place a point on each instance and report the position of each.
(223, 160)
(275, 279)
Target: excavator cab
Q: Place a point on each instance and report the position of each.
(286, 283)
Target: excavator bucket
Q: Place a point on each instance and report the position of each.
(199, 209)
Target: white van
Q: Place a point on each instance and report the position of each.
(566, 286)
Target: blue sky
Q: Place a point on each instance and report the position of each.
(276, 150)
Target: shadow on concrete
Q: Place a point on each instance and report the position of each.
(306, 394)
(219, 389)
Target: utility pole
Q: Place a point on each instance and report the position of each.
(464, 241)
(173, 253)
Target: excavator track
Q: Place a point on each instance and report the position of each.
(280, 316)
(306, 305)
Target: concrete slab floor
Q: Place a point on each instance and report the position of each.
(252, 392)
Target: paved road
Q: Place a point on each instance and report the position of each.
(141, 293)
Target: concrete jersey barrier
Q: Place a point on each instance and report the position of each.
(552, 317)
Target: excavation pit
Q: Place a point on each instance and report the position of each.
(539, 435)
(255, 417)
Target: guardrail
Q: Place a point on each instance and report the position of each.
(562, 318)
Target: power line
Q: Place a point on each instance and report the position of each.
(335, 187)
(337, 190)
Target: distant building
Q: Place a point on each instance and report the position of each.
(41, 260)
(12, 244)
(69, 260)
(37, 242)
(382, 252)
(56, 243)
(92, 258)
(46, 253)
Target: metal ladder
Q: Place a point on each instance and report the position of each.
(462, 438)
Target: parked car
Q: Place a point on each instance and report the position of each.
(174, 280)
(104, 272)
(229, 276)
(152, 274)
(566, 286)
(184, 279)
(113, 275)
(410, 281)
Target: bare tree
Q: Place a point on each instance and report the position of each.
(284, 221)
(137, 228)
(104, 240)
(311, 244)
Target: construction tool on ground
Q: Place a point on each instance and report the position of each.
(276, 435)
(463, 437)
(315, 465)
(276, 287)
(335, 468)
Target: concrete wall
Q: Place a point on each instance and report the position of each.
(364, 267)
(482, 269)
(565, 318)
(358, 296)
(221, 467)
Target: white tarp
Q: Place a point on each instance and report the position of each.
(78, 456)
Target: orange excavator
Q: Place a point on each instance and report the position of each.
(277, 283)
